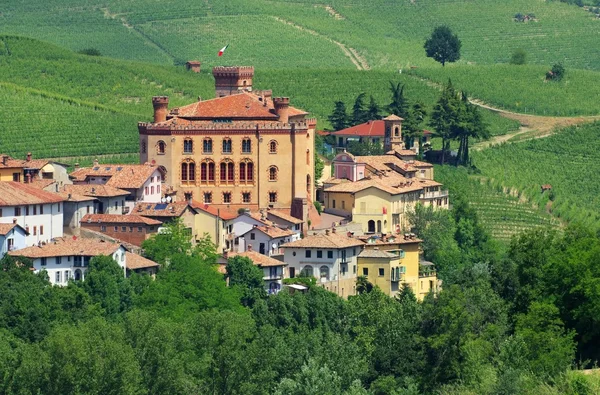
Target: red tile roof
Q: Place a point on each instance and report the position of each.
(273, 231)
(135, 261)
(222, 212)
(160, 209)
(367, 129)
(68, 247)
(6, 228)
(93, 190)
(14, 194)
(257, 258)
(284, 216)
(243, 105)
(331, 240)
(119, 219)
(119, 176)
(20, 163)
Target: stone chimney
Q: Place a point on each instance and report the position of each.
(77, 165)
(4, 159)
(29, 157)
(95, 162)
(327, 232)
(160, 104)
(333, 230)
(282, 106)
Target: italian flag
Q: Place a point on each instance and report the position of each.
(223, 50)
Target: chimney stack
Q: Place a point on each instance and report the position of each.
(95, 162)
(160, 104)
(4, 159)
(327, 232)
(333, 230)
(29, 157)
(282, 106)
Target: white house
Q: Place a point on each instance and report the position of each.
(273, 270)
(104, 200)
(12, 237)
(39, 212)
(284, 220)
(267, 239)
(143, 182)
(331, 258)
(65, 259)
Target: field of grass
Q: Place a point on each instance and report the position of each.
(569, 161)
(524, 88)
(387, 34)
(503, 215)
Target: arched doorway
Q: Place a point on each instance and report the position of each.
(77, 275)
(379, 226)
(308, 186)
(371, 226)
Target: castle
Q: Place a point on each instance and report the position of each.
(243, 149)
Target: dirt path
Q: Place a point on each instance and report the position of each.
(351, 53)
(532, 126)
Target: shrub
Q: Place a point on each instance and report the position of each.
(519, 56)
(318, 207)
(557, 73)
(90, 52)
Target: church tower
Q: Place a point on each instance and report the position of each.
(231, 80)
(393, 133)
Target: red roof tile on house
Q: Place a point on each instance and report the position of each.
(118, 176)
(135, 261)
(222, 212)
(14, 194)
(68, 247)
(6, 228)
(93, 190)
(257, 258)
(119, 219)
(243, 105)
(367, 129)
(160, 209)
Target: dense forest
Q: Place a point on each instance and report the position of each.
(521, 320)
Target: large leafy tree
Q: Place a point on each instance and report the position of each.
(242, 273)
(339, 117)
(106, 284)
(443, 45)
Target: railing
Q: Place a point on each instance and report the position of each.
(433, 195)
(428, 273)
(273, 277)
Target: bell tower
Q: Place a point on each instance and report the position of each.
(230, 80)
(393, 133)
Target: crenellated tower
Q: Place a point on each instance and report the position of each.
(232, 79)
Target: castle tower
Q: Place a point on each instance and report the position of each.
(393, 133)
(161, 108)
(282, 106)
(231, 80)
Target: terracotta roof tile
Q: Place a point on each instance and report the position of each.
(160, 209)
(331, 240)
(273, 231)
(119, 176)
(393, 117)
(94, 190)
(372, 253)
(135, 261)
(370, 129)
(6, 228)
(393, 184)
(257, 258)
(222, 212)
(67, 247)
(15, 193)
(243, 105)
(10, 162)
(285, 217)
(119, 219)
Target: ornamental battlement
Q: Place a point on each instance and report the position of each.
(229, 71)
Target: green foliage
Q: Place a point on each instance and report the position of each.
(518, 57)
(443, 45)
(106, 285)
(364, 148)
(339, 117)
(318, 207)
(172, 240)
(90, 52)
(557, 73)
(359, 113)
(249, 278)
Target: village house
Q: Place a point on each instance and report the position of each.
(135, 263)
(391, 261)
(273, 270)
(142, 182)
(368, 132)
(37, 211)
(285, 221)
(29, 170)
(331, 258)
(243, 149)
(66, 259)
(130, 228)
(216, 222)
(168, 212)
(12, 237)
(91, 199)
(268, 239)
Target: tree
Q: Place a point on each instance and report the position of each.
(106, 284)
(469, 123)
(557, 73)
(443, 46)
(339, 117)
(174, 239)
(519, 57)
(363, 285)
(244, 274)
(445, 116)
(365, 148)
(399, 105)
(411, 127)
(373, 110)
(359, 114)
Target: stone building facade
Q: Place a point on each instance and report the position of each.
(243, 149)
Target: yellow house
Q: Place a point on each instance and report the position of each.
(390, 262)
(216, 222)
(11, 169)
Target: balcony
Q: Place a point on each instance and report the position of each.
(273, 277)
(433, 195)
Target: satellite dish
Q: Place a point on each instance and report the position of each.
(168, 199)
(162, 200)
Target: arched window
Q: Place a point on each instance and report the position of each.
(188, 146)
(227, 146)
(161, 147)
(273, 147)
(308, 157)
(307, 271)
(371, 226)
(272, 173)
(207, 171)
(396, 131)
(163, 173)
(207, 146)
(247, 171)
(188, 171)
(246, 146)
(324, 272)
(77, 275)
(226, 171)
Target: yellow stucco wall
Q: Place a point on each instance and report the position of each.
(343, 203)
(7, 173)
